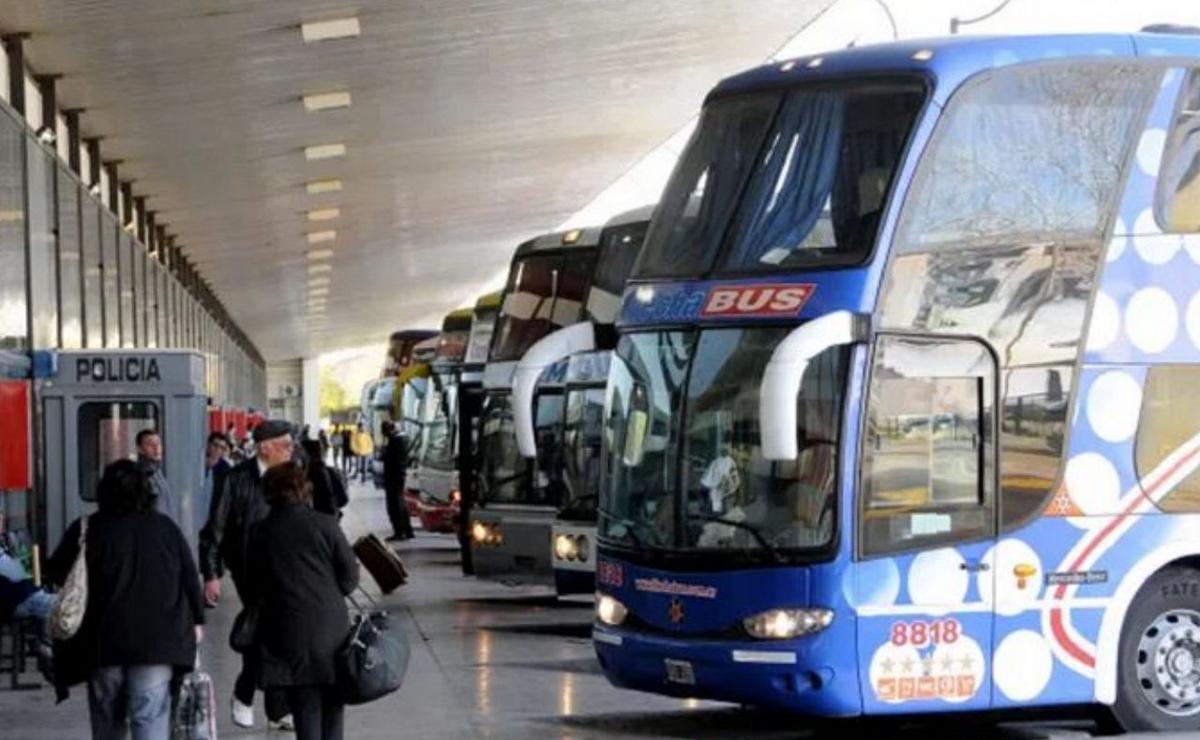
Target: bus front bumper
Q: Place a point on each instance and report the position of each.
(780, 675)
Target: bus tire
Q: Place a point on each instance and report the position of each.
(1158, 680)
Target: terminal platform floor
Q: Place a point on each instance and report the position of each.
(494, 662)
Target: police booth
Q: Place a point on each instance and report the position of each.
(94, 403)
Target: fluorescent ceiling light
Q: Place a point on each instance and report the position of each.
(320, 254)
(323, 186)
(326, 101)
(319, 268)
(324, 151)
(317, 282)
(317, 292)
(340, 28)
(324, 214)
(316, 237)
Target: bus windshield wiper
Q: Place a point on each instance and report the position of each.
(754, 532)
(628, 524)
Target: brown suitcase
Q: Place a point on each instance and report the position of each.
(383, 564)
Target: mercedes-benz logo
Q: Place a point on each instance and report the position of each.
(676, 611)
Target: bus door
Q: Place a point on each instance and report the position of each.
(927, 526)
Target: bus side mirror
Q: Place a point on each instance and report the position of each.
(545, 352)
(784, 373)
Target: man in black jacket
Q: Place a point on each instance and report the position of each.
(395, 471)
(224, 540)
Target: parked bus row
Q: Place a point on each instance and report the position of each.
(891, 407)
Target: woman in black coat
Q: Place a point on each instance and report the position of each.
(301, 569)
(328, 492)
(144, 609)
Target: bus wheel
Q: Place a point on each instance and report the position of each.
(1158, 685)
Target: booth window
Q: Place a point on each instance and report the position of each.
(108, 432)
(1177, 203)
(1169, 420)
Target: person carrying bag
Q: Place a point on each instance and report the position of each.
(300, 569)
(133, 575)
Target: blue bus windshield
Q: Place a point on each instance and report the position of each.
(695, 394)
(783, 179)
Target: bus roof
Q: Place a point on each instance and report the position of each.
(409, 335)
(489, 301)
(458, 320)
(951, 60)
(560, 241)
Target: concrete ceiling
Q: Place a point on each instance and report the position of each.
(473, 125)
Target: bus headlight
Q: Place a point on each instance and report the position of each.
(487, 533)
(582, 549)
(564, 547)
(610, 611)
(783, 624)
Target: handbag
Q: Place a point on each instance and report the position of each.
(66, 614)
(374, 657)
(244, 635)
(196, 709)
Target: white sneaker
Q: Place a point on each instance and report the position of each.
(283, 724)
(243, 714)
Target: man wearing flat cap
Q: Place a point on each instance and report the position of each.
(241, 503)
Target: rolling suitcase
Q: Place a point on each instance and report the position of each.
(385, 567)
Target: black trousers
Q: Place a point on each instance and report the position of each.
(317, 711)
(244, 687)
(274, 701)
(397, 511)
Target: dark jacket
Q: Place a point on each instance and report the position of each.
(301, 568)
(395, 462)
(216, 474)
(158, 482)
(143, 596)
(225, 537)
(328, 491)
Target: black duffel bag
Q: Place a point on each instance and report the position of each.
(374, 658)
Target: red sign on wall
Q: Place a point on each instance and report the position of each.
(15, 474)
(760, 299)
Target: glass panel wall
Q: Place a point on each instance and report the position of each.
(139, 294)
(70, 263)
(43, 252)
(14, 320)
(93, 276)
(112, 303)
(125, 280)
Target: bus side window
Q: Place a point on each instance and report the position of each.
(928, 453)
(1169, 422)
(1177, 201)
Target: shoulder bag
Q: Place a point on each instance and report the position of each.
(66, 615)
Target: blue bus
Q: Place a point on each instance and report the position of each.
(904, 415)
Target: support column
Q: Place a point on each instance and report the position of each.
(311, 373)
